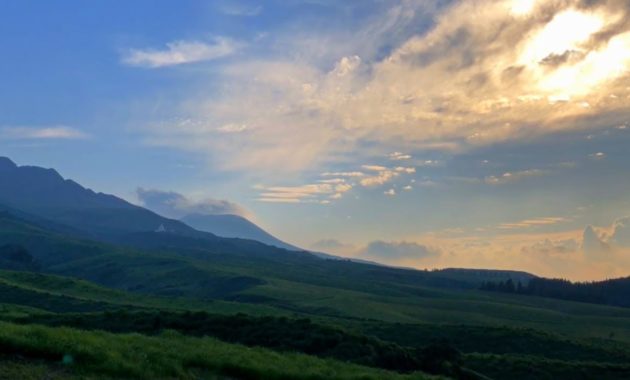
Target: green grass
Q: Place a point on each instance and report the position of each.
(524, 367)
(470, 307)
(170, 355)
(60, 293)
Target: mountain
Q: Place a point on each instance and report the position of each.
(58, 221)
(234, 226)
(45, 193)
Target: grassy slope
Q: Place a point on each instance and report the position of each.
(169, 355)
(341, 294)
(67, 291)
(459, 307)
(484, 344)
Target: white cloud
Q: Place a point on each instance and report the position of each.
(374, 168)
(597, 156)
(398, 156)
(175, 205)
(333, 185)
(181, 52)
(41, 133)
(321, 192)
(402, 169)
(380, 179)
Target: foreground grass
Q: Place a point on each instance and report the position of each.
(168, 356)
(523, 367)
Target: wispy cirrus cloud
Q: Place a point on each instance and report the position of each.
(333, 185)
(181, 52)
(537, 222)
(41, 133)
(312, 193)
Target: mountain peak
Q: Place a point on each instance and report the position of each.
(6, 164)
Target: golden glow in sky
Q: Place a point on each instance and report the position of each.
(563, 34)
(522, 7)
(564, 61)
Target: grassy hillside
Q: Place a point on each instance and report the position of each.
(74, 353)
(374, 342)
(382, 318)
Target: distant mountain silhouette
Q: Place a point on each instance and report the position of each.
(45, 193)
(234, 226)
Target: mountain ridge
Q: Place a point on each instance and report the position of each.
(234, 226)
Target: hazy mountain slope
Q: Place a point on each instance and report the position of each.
(45, 193)
(234, 226)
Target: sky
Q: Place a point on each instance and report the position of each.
(426, 134)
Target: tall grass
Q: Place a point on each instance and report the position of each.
(170, 356)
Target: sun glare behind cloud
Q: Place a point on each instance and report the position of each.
(522, 7)
(562, 35)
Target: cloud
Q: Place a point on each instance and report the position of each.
(181, 52)
(343, 174)
(402, 169)
(384, 175)
(176, 205)
(374, 168)
(41, 133)
(333, 185)
(510, 177)
(621, 232)
(594, 245)
(321, 192)
(397, 156)
(550, 247)
(467, 82)
(380, 179)
(597, 156)
(394, 252)
(538, 222)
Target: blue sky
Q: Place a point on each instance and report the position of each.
(407, 132)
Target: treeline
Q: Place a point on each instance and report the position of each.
(277, 333)
(610, 292)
